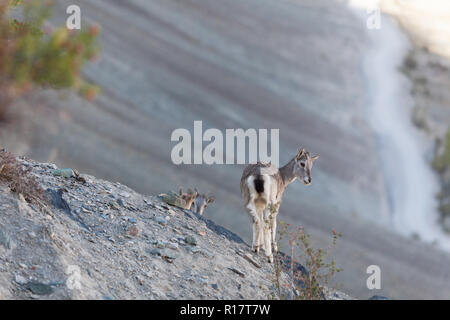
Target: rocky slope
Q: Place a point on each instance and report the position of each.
(102, 240)
(230, 63)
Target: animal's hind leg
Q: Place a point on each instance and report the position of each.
(260, 239)
(257, 244)
(251, 210)
(267, 235)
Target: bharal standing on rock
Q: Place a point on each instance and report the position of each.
(262, 187)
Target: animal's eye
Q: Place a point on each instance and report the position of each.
(302, 164)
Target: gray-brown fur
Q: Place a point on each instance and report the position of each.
(188, 197)
(262, 188)
(201, 202)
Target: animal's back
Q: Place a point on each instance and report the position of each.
(257, 172)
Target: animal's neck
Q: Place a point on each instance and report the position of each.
(287, 173)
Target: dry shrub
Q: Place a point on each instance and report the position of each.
(19, 179)
(312, 282)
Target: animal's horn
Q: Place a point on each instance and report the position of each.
(300, 153)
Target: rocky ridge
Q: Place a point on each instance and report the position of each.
(101, 240)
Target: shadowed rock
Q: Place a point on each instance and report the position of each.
(59, 203)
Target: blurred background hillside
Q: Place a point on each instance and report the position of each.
(374, 104)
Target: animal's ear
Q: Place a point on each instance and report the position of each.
(181, 191)
(300, 154)
(211, 199)
(315, 158)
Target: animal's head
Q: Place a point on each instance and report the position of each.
(303, 165)
(188, 197)
(201, 202)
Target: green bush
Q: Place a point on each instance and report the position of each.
(33, 55)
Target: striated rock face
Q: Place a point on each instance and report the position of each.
(430, 78)
(230, 64)
(101, 240)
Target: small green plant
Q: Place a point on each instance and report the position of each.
(442, 162)
(309, 284)
(34, 55)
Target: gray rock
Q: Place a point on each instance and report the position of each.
(173, 245)
(125, 194)
(237, 272)
(202, 280)
(160, 220)
(5, 239)
(160, 244)
(207, 253)
(174, 200)
(155, 252)
(168, 254)
(58, 200)
(190, 240)
(39, 288)
(193, 249)
(66, 173)
(113, 204)
(20, 279)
